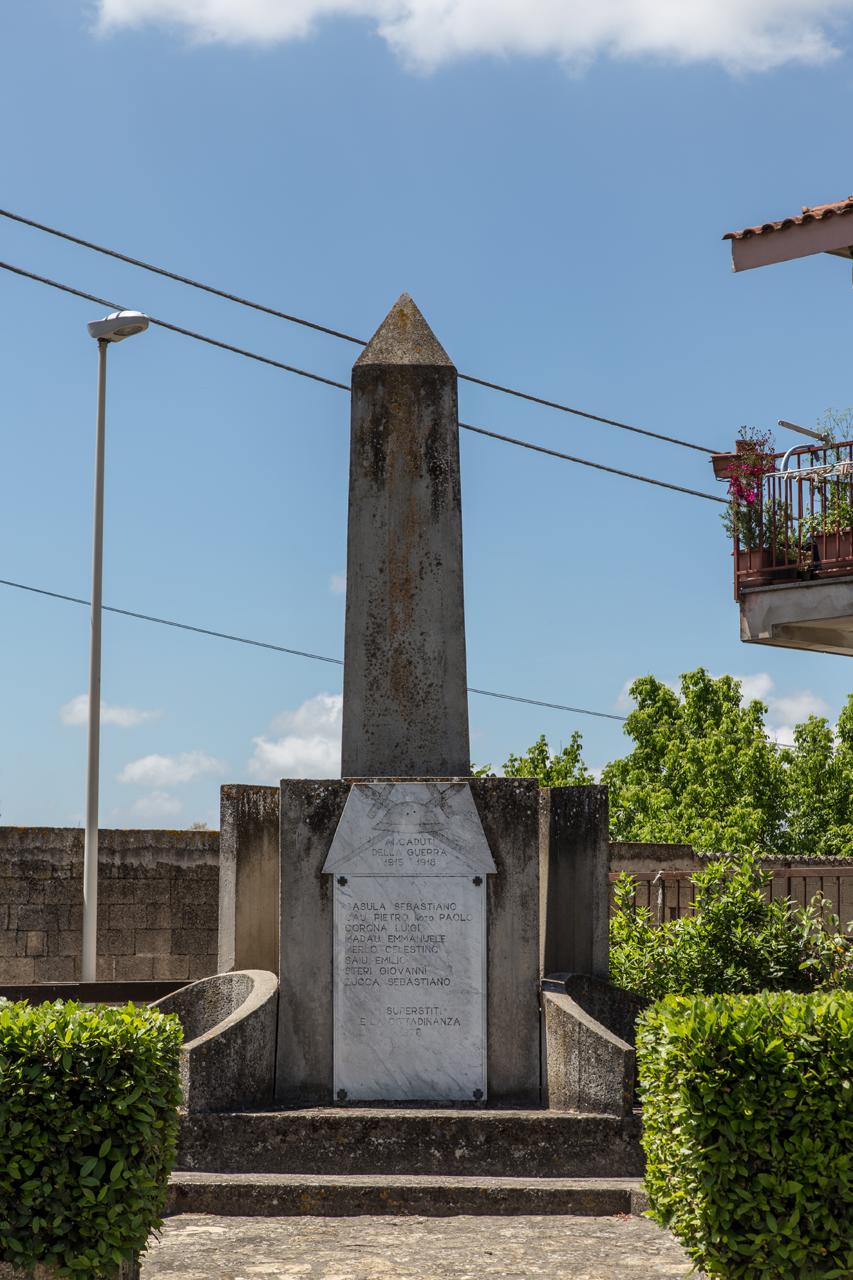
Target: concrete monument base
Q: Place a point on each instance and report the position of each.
(508, 810)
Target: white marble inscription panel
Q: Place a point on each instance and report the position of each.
(409, 862)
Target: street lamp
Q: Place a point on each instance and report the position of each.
(113, 328)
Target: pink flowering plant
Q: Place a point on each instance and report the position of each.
(747, 516)
(750, 465)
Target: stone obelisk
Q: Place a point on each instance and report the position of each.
(405, 710)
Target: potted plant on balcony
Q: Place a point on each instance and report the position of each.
(765, 549)
(827, 534)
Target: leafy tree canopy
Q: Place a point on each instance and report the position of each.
(703, 771)
(564, 769)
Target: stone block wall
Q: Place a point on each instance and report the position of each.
(158, 904)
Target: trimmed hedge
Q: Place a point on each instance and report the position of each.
(748, 1130)
(88, 1126)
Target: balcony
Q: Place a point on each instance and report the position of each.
(793, 552)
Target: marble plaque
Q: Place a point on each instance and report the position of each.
(409, 861)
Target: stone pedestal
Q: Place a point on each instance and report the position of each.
(508, 810)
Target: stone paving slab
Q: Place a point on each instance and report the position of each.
(205, 1247)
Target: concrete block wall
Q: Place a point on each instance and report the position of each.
(158, 901)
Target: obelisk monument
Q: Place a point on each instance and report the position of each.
(408, 891)
(405, 708)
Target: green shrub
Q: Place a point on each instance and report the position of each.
(748, 1130)
(88, 1125)
(736, 941)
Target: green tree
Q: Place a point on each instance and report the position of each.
(563, 769)
(820, 786)
(702, 772)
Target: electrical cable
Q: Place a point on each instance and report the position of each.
(555, 706)
(299, 653)
(171, 275)
(316, 377)
(164, 324)
(581, 413)
(184, 626)
(335, 333)
(663, 484)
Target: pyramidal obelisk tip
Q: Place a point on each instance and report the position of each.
(404, 337)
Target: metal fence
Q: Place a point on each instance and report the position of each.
(669, 895)
(801, 523)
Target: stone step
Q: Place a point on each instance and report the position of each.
(277, 1195)
(391, 1141)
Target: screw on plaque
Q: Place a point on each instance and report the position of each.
(478, 1093)
(342, 880)
(342, 1095)
(478, 880)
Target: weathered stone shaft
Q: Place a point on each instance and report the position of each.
(405, 711)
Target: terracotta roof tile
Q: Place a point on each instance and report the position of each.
(809, 214)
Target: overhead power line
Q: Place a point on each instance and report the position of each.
(663, 484)
(338, 662)
(299, 653)
(316, 377)
(171, 275)
(555, 706)
(335, 333)
(184, 626)
(164, 324)
(581, 413)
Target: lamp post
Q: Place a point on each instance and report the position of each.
(113, 328)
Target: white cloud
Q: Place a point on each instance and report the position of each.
(758, 686)
(338, 584)
(309, 745)
(796, 706)
(156, 805)
(167, 771)
(77, 712)
(742, 35)
(783, 712)
(625, 704)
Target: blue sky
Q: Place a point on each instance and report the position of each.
(550, 182)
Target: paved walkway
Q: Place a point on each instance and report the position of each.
(201, 1247)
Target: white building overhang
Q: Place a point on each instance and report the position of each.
(815, 615)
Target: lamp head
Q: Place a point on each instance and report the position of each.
(119, 325)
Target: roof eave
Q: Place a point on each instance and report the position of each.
(791, 240)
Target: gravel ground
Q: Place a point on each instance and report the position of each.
(203, 1247)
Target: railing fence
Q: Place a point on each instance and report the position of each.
(669, 895)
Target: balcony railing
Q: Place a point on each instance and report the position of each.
(800, 526)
